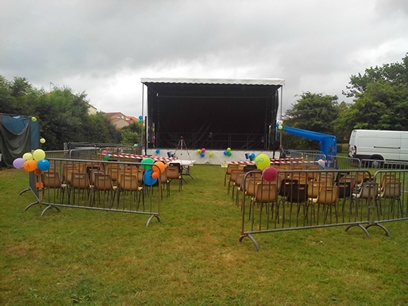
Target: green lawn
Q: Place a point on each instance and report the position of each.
(192, 257)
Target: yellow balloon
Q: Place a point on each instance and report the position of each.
(28, 156)
(38, 154)
(42, 140)
(262, 161)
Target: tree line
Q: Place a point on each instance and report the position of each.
(62, 114)
(379, 102)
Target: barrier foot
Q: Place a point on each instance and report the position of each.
(252, 238)
(360, 226)
(386, 232)
(48, 207)
(24, 190)
(31, 204)
(150, 219)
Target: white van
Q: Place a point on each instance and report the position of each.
(379, 145)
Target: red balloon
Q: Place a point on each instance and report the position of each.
(270, 174)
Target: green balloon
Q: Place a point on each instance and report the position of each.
(147, 163)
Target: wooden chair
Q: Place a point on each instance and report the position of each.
(129, 186)
(391, 191)
(327, 198)
(79, 183)
(103, 185)
(228, 171)
(52, 181)
(173, 173)
(266, 195)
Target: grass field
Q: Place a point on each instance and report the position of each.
(192, 257)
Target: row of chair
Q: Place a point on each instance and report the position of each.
(110, 180)
(322, 188)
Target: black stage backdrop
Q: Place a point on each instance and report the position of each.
(212, 114)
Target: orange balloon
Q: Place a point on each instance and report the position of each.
(155, 175)
(160, 165)
(30, 165)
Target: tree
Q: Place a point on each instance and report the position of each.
(313, 112)
(131, 134)
(381, 98)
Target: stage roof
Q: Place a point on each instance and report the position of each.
(272, 81)
(215, 113)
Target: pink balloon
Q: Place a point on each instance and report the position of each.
(270, 174)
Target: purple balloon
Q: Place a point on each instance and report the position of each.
(18, 163)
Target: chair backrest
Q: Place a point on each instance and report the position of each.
(369, 190)
(234, 174)
(80, 180)
(313, 189)
(67, 171)
(328, 195)
(286, 187)
(251, 184)
(103, 181)
(173, 172)
(128, 182)
(326, 178)
(231, 167)
(51, 179)
(392, 189)
(298, 193)
(114, 170)
(266, 192)
(387, 178)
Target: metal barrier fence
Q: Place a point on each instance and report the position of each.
(99, 185)
(306, 199)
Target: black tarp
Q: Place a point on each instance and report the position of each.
(213, 114)
(18, 135)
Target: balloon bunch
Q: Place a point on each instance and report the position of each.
(201, 152)
(251, 156)
(321, 163)
(279, 125)
(106, 154)
(31, 162)
(152, 170)
(228, 152)
(136, 145)
(140, 121)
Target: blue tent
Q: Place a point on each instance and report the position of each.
(328, 143)
(18, 135)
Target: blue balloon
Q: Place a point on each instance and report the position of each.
(225, 152)
(157, 151)
(43, 165)
(147, 178)
(202, 154)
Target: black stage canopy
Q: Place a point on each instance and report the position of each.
(212, 113)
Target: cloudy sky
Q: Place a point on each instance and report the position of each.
(104, 48)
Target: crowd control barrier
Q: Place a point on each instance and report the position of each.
(126, 187)
(311, 198)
